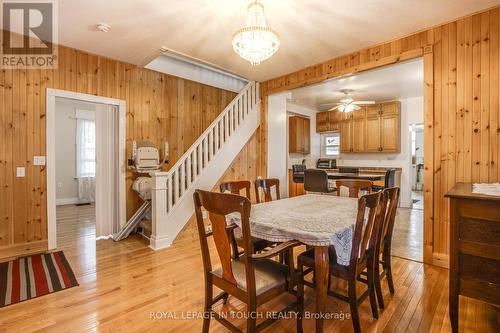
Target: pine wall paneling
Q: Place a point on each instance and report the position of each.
(462, 116)
(159, 108)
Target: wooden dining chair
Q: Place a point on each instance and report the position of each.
(384, 241)
(266, 185)
(253, 278)
(236, 186)
(362, 251)
(235, 234)
(354, 186)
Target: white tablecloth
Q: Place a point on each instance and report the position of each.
(318, 220)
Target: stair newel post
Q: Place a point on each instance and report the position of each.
(159, 208)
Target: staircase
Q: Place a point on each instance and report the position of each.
(201, 166)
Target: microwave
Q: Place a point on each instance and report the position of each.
(326, 163)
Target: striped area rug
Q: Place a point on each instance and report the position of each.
(29, 277)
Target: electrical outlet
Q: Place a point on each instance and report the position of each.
(38, 160)
(59, 185)
(20, 172)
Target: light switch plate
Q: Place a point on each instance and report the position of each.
(20, 171)
(38, 160)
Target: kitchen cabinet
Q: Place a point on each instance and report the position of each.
(294, 189)
(328, 121)
(299, 135)
(372, 129)
(358, 130)
(383, 128)
(346, 133)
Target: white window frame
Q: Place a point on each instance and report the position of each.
(326, 146)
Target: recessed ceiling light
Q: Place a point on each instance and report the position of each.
(103, 27)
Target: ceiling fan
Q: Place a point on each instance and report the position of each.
(347, 104)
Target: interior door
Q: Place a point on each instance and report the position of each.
(107, 199)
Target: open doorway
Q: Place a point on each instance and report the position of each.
(363, 121)
(85, 168)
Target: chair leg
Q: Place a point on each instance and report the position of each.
(300, 297)
(388, 268)
(371, 289)
(225, 298)
(378, 287)
(353, 303)
(208, 305)
(252, 319)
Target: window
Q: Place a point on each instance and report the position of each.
(332, 144)
(85, 147)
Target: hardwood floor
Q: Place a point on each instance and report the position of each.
(408, 236)
(126, 287)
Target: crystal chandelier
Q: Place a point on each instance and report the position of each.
(255, 42)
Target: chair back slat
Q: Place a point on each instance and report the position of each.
(354, 186)
(236, 186)
(222, 244)
(266, 185)
(366, 221)
(218, 206)
(391, 200)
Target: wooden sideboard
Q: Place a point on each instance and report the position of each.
(474, 247)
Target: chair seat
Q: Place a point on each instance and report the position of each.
(269, 274)
(259, 244)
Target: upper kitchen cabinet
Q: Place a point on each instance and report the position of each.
(383, 127)
(346, 133)
(299, 135)
(328, 121)
(359, 130)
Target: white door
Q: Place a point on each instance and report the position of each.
(106, 203)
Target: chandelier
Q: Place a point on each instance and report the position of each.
(255, 42)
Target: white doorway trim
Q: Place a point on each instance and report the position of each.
(50, 161)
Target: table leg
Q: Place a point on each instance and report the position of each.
(321, 276)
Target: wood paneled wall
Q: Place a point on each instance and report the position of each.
(462, 107)
(159, 108)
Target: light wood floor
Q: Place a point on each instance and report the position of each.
(408, 234)
(121, 284)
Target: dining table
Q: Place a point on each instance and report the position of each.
(316, 220)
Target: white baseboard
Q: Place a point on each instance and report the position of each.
(104, 237)
(66, 201)
(159, 243)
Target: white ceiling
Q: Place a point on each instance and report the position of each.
(311, 31)
(398, 81)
